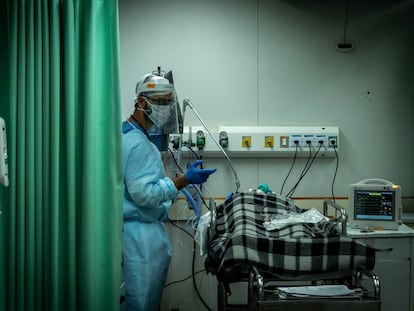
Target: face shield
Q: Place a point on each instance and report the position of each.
(163, 108)
(158, 109)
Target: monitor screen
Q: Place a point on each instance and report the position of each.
(374, 205)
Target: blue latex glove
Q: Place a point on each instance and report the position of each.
(197, 176)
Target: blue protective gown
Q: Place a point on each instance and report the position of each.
(147, 199)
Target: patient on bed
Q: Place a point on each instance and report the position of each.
(296, 249)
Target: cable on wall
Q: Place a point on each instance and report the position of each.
(345, 46)
(336, 171)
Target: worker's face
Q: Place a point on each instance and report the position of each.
(158, 108)
(161, 100)
(143, 100)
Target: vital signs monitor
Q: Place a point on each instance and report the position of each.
(374, 203)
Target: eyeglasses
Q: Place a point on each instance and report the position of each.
(159, 101)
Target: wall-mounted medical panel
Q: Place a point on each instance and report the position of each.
(263, 141)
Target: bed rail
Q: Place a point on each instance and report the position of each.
(343, 217)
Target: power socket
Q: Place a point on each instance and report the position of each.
(296, 140)
(308, 141)
(320, 140)
(333, 141)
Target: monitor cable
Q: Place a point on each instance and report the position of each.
(291, 167)
(336, 171)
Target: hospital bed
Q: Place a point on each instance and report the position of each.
(242, 248)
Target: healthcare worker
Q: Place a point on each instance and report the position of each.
(148, 195)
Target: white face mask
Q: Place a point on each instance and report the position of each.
(159, 114)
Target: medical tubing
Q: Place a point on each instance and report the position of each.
(183, 280)
(181, 170)
(188, 103)
(196, 208)
(180, 228)
(194, 153)
(179, 149)
(194, 280)
(175, 161)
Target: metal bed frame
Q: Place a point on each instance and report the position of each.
(261, 285)
(262, 297)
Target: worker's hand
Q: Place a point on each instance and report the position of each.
(197, 176)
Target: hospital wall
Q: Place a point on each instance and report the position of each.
(275, 63)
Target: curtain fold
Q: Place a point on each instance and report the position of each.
(61, 216)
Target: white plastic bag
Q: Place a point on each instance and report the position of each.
(278, 222)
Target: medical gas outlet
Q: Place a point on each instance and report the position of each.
(223, 139)
(200, 139)
(269, 141)
(246, 141)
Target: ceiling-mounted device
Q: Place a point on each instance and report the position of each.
(345, 46)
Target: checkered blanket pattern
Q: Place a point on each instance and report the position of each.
(296, 250)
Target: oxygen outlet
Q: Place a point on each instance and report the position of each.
(223, 139)
(200, 140)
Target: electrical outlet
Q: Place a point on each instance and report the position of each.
(308, 140)
(320, 140)
(284, 141)
(333, 141)
(295, 140)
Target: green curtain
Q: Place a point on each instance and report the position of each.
(61, 216)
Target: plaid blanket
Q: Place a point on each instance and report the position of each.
(295, 250)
